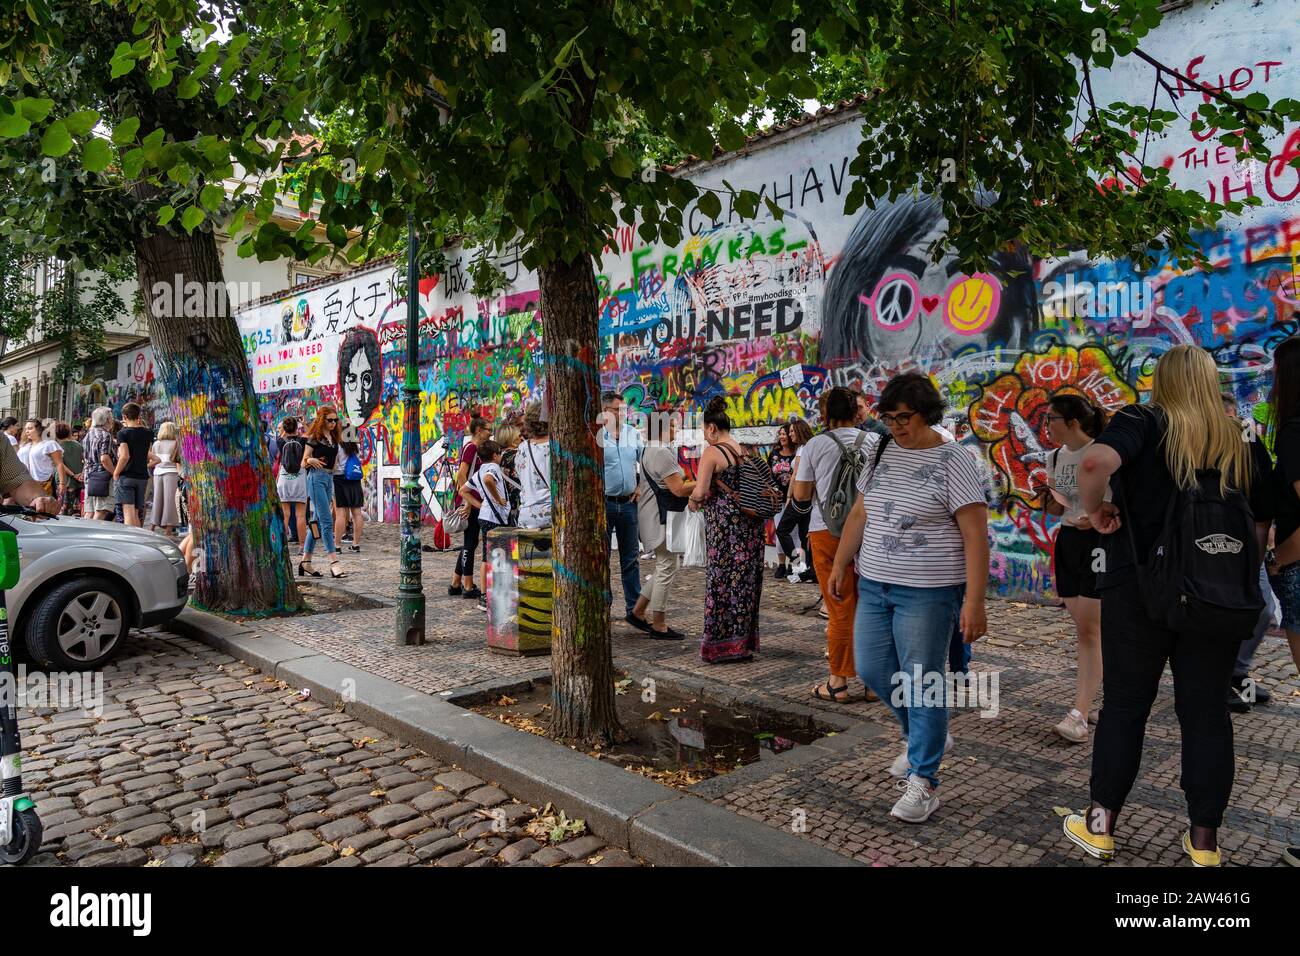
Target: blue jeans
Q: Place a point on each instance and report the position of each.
(620, 519)
(320, 492)
(898, 632)
(958, 649)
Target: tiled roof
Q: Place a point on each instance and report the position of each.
(803, 119)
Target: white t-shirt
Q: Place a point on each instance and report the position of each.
(533, 465)
(492, 510)
(12, 440)
(911, 537)
(1063, 478)
(165, 449)
(817, 462)
(36, 457)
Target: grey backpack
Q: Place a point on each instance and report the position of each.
(838, 501)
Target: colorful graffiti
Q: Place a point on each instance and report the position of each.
(772, 313)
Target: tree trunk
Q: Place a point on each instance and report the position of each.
(235, 517)
(581, 656)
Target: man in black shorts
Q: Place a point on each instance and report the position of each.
(132, 471)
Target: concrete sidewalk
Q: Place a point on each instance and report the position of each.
(1004, 783)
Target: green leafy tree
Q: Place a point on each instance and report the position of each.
(546, 121)
(76, 312)
(561, 111)
(120, 123)
(18, 298)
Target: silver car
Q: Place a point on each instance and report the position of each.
(85, 584)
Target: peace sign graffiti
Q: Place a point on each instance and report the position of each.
(895, 301)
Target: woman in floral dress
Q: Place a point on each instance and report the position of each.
(734, 577)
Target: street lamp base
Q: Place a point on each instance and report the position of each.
(410, 620)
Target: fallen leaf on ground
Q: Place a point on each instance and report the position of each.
(656, 716)
(504, 701)
(378, 793)
(592, 861)
(1062, 811)
(348, 851)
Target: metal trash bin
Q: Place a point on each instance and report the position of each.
(519, 593)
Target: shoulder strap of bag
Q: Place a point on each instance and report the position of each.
(727, 453)
(880, 453)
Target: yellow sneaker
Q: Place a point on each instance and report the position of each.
(1094, 844)
(1200, 857)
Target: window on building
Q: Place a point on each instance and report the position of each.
(55, 270)
(49, 398)
(20, 398)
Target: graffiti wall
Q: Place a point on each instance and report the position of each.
(771, 313)
(127, 377)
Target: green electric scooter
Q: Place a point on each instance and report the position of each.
(20, 828)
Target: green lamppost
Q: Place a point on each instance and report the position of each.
(410, 591)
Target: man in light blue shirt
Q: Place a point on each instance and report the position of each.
(622, 447)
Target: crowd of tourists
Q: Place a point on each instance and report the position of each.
(317, 469)
(1176, 546)
(106, 469)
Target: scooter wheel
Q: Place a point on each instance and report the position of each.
(27, 837)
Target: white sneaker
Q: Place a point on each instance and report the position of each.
(1074, 727)
(902, 765)
(918, 801)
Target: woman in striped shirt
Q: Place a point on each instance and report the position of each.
(918, 534)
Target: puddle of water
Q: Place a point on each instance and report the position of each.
(673, 733)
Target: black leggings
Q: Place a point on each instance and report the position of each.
(465, 561)
(1134, 651)
(791, 519)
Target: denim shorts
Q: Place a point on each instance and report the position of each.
(1287, 588)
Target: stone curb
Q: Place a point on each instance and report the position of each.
(661, 825)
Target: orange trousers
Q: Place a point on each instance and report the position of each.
(839, 628)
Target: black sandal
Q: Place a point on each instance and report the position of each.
(831, 695)
(303, 569)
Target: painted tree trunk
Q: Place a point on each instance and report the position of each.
(581, 656)
(243, 562)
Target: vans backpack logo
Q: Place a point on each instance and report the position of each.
(1219, 544)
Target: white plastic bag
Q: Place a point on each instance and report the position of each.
(675, 531)
(696, 554)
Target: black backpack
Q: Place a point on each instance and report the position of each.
(291, 455)
(1201, 577)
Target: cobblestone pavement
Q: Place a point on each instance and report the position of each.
(1003, 783)
(200, 760)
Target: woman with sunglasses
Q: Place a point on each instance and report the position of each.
(918, 534)
(1072, 424)
(323, 439)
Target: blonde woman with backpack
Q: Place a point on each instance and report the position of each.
(824, 488)
(1179, 470)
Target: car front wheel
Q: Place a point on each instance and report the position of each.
(78, 626)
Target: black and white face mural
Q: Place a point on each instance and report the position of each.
(887, 303)
(360, 375)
